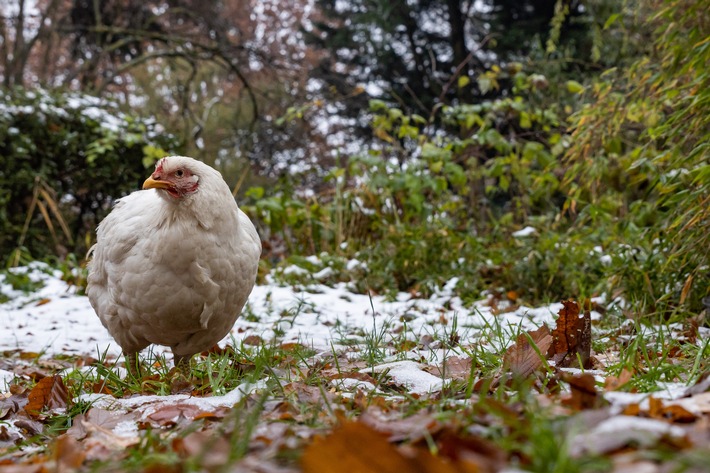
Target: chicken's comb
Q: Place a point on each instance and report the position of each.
(159, 165)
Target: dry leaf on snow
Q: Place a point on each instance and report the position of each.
(453, 367)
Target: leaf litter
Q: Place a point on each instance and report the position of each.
(423, 403)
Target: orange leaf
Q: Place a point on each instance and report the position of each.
(50, 393)
(356, 448)
(673, 412)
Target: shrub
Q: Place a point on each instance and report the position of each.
(64, 158)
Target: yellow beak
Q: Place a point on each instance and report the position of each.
(151, 183)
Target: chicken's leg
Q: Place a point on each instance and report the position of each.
(133, 365)
(182, 363)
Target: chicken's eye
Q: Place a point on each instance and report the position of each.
(179, 173)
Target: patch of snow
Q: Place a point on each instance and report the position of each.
(525, 232)
(324, 273)
(409, 374)
(147, 405)
(619, 431)
(5, 378)
(295, 270)
(56, 320)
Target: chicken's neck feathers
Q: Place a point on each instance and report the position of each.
(211, 206)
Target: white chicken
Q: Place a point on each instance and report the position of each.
(173, 264)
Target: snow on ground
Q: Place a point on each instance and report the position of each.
(55, 320)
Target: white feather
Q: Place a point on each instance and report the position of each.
(174, 272)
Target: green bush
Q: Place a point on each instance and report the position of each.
(640, 162)
(64, 158)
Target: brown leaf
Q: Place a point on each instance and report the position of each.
(612, 383)
(212, 449)
(68, 453)
(522, 358)
(572, 337)
(486, 455)
(169, 415)
(13, 404)
(254, 340)
(356, 448)
(96, 418)
(584, 394)
(632, 410)
(7, 438)
(29, 355)
(454, 367)
(307, 394)
(49, 393)
(397, 429)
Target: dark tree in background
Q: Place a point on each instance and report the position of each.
(413, 50)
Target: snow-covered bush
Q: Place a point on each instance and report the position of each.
(64, 157)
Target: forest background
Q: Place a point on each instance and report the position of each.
(412, 136)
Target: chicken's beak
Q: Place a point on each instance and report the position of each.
(151, 183)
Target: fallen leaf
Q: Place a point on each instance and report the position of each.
(454, 367)
(69, 453)
(397, 429)
(307, 394)
(29, 427)
(96, 418)
(28, 355)
(523, 358)
(620, 432)
(212, 449)
(672, 413)
(48, 393)
(12, 404)
(584, 394)
(254, 340)
(356, 448)
(169, 415)
(612, 383)
(572, 343)
(473, 450)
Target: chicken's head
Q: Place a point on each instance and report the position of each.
(175, 176)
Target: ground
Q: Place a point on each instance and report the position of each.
(317, 378)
